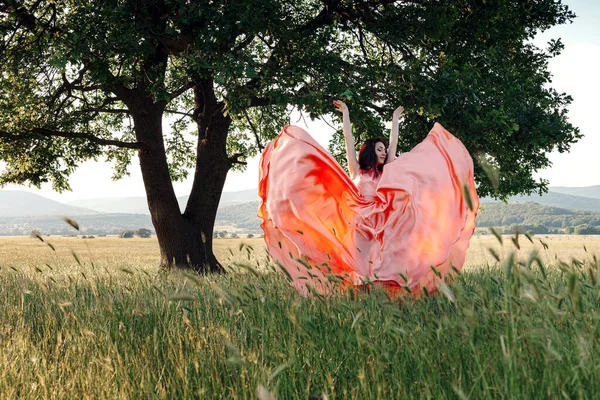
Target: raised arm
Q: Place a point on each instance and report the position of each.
(350, 150)
(391, 156)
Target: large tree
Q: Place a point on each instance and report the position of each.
(90, 80)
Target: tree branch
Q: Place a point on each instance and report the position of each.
(240, 46)
(180, 91)
(255, 131)
(70, 135)
(324, 17)
(185, 114)
(379, 109)
(175, 47)
(234, 159)
(104, 110)
(256, 101)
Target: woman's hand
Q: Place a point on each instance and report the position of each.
(398, 112)
(341, 106)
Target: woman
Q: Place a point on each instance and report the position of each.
(373, 153)
(404, 225)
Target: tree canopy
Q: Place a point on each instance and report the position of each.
(66, 66)
(83, 80)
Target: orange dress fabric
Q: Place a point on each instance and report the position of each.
(326, 231)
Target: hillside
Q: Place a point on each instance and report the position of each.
(587, 191)
(555, 199)
(501, 214)
(139, 205)
(230, 198)
(21, 203)
(495, 214)
(115, 205)
(108, 224)
(21, 212)
(243, 216)
(537, 218)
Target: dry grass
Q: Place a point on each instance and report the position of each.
(109, 252)
(560, 248)
(112, 252)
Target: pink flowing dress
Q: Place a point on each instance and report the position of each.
(405, 228)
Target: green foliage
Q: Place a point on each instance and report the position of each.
(555, 199)
(143, 233)
(220, 234)
(75, 76)
(587, 230)
(127, 234)
(532, 215)
(242, 215)
(532, 229)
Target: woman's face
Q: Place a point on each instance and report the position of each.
(380, 152)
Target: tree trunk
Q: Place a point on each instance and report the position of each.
(185, 242)
(212, 165)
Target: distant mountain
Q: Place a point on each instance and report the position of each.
(497, 214)
(587, 191)
(110, 224)
(557, 200)
(115, 205)
(139, 205)
(531, 214)
(20, 212)
(21, 203)
(242, 196)
(553, 210)
(229, 198)
(242, 216)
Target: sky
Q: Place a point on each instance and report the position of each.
(574, 72)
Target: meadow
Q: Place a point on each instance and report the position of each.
(95, 318)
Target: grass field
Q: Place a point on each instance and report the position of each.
(94, 318)
(114, 253)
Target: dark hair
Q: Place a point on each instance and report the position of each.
(367, 158)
